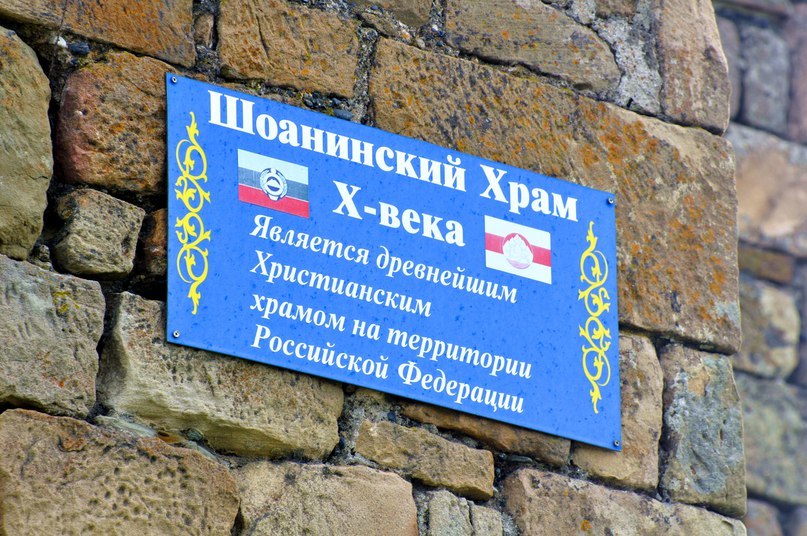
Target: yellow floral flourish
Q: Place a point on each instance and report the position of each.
(191, 262)
(593, 274)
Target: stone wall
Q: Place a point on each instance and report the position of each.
(766, 46)
(107, 429)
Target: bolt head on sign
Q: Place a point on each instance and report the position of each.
(343, 251)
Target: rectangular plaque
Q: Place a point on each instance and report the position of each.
(335, 249)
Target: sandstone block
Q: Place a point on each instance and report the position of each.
(411, 12)
(677, 262)
(797, 39)
(449, 515)
(703, 431)
(111, 128)
(154, 253)
(771, 189)
(766, 78)
(771, 329)
(548, 503)
(99, 237)
(534, 34)
(694, 70)
(63, 476)
(766, 264)
(546, 448)
(428, 458)
(636, 466)
(288, 45)
(26, 160)
(762, 518)
(238, 406)
(128, 25)
(775, 435)
(730, 38)
(50, 325)
(290, 498)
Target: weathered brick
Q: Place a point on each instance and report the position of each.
(535, 34)
(548, 503)
(64, 476)
(99, 237)
(111, 128)
(428, 458)
(288, 45)
(694, 70)
(546, 448)
(238, 406)
(160, 28)
(771, 329)
(636, 466)
(50, 325)
(703, 459)
(26, 161)
(677, 253)
(766, 168)
(291, 498)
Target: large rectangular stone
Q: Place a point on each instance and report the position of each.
(676, 204)
(160, 28)
(50, 325)
(548, 503)
(238, 406)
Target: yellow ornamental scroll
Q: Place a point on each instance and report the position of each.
(593, 275)
(191, 262)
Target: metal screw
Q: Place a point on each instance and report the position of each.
(611, 201)
(173, 79)
(616, 441)
(176, 334)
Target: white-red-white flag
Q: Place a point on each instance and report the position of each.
(518, 249)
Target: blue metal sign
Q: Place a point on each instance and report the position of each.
(335, 249)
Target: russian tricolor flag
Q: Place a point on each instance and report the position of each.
(273, 183)
(518, 250)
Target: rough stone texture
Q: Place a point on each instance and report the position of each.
(730, 38)
(99, 237)
(703, 431)
(766, 264)
(411, 12)
(26, 161)
(641, 379)
(765, 7)
(111, 127)
(428, 458)
(797, 39)
(503, 437)
(288, 45)
(694, 71)
(290, 498)
(775, 435)
(449, 515)
(677, 262)
(203, 29)
(50, 325)
(762, 520)
(129, 25)
(238, 406)
(611, 8)
(766, 78)
(771, 329)
(640, 86)
(63, 476)
(154, 254)
(766, 167)
(548, 503)
(535, 34)
(796, 524)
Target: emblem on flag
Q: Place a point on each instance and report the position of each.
(273, 183)
(518, 250)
